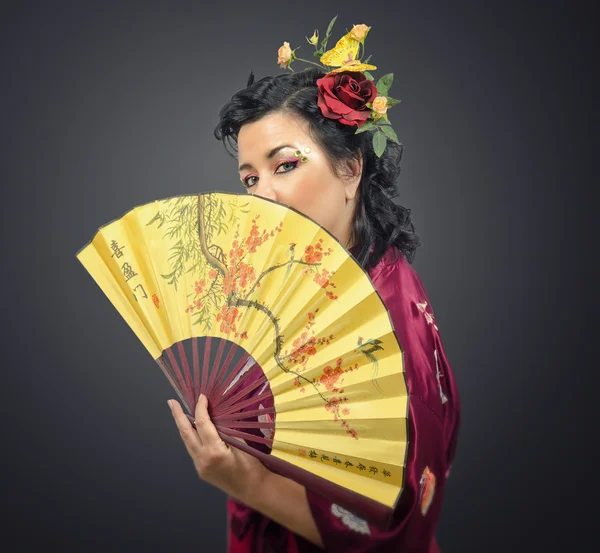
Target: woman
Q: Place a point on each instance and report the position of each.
(290, 149)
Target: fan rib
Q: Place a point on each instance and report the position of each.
(204, 368)
(241, 404)
(186, 368)
(232, 399)
(237, 424)
(220, 392)
(244, 415)
(179, 377)
(196, 364)
(222, 369)
(243, 435)
(216, 368)
(165, 369)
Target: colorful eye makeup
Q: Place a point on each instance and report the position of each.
(300, 158)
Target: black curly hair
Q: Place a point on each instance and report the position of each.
(377, 219)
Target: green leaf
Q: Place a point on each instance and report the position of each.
(384, 84)
(330, 26)
(369, 76)
(392, 101)
(368, 126)
(155, 218)
(379, 143)
(367, 60)
(328, 33)
(389, 132)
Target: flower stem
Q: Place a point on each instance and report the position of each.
(311, 62)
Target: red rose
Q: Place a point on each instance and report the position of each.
(343, 96)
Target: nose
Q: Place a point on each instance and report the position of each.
(265, 189)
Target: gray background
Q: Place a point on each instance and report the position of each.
(107, 105)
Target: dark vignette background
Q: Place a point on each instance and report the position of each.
(107, 105)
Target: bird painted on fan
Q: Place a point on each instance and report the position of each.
(368, 351)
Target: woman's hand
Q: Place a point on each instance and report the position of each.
(235, 472)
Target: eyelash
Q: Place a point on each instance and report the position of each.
(293, 162)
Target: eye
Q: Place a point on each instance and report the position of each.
(292, 164)
(246, 180)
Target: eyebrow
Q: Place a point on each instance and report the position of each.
(269, 156)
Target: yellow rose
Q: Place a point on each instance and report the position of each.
(313, 39)
(359, 32)
(380, 104)
(284, 55)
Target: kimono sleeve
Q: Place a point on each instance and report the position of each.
(416, 514)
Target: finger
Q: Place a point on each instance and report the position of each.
(204, 426)
(190, 437)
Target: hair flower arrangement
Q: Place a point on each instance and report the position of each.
(348, 93)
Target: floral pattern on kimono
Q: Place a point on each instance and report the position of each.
(351, 520)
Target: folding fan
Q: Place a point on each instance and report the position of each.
(258, 307)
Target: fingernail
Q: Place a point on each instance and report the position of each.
(170, 404)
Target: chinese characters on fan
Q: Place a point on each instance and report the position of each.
(372, 469)
(127, 269)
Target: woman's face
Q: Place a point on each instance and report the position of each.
(271, 169)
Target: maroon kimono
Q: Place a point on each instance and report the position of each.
(434, 415)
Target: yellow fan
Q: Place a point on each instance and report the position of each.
(343, 56)
(326, 400)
